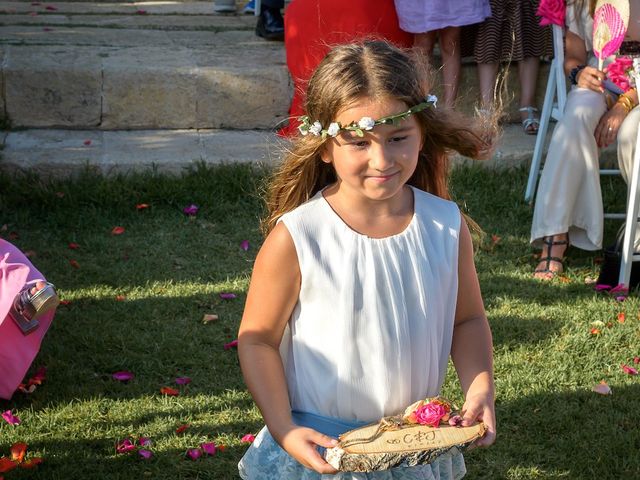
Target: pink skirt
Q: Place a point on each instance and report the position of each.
(17, 351)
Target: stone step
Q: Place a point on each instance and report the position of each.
(65, 152)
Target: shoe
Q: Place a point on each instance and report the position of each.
(530, 124)
(270, 24)
(547, 272)
(225, 6)
(250, 7)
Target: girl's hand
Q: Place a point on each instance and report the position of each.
(480, 407)
(591, 78)
(607, 129)
(301, 443)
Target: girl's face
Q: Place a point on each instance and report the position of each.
(377, 165)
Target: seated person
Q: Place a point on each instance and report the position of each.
(568, 208)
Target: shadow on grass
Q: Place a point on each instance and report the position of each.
(575, 435)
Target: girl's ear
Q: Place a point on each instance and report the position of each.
(325, 156)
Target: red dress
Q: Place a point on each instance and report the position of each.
(311, 27)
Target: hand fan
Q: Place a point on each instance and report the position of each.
(610, 23)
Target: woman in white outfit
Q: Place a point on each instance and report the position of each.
(568, 207)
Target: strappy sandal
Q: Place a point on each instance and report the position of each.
(530, 124)
(28, 307)
(548, 258)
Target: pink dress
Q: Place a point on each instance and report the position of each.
(17, 351)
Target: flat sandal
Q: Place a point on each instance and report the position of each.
(548, 258)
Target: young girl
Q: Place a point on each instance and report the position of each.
(365, 283)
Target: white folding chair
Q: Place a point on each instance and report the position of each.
(633, 206)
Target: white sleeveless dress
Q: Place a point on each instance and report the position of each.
(371, 332)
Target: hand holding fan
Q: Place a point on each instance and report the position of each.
(610, 23)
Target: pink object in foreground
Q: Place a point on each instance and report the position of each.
(630, 370)
(430, 414)
(17, 351)
(244, 245)
(10, 418)
(209, 448)
(609, 29)
(144, 453)
(230, 345)
(183, 380)
(227, 296)
(123, 376)
(551, 12)
(248, 438)
(144, 441)
(191, 210)
(194, 453)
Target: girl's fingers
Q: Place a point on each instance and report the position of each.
(324, 440)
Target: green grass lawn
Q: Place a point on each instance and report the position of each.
(137, 300)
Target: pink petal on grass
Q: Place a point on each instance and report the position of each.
(228, 296)
(144, 453)
(244, 245)
(10, 418)
(620, 288)
(601, 287)
(230, 345)
(183, 380)
(602, 388)
(117, 231)
(74, 246)
(123, 376)
(636, 360)
(144, 441)
(125, 446)
(194, 453)
(630, 370)
(191, 210)
(209, 448)
(248, 438)
(87, 142)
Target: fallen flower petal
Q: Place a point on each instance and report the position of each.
(601, 287)
(495, 239)
(621, 298)
(144, 453)
(630, 370)
(65, 302)
(636, 360)
(620, 288)
(227, 296)
(125, 446)
(248, 438)
(117, 231)
(191, 210)
(10, 418)
(595, 331)
(18, 451)
(87, 142)
(244, 245)
(142, 206)
(32, 462)
(144, 441)
(194, 453)
(209, 448)
(74, 264)
(221, 447)
(123, 376)
(51, 8)
(209, 317)
(230, 345)
(74, 246)
(120, 298)
(39, 377)
(602, 388)
(182, 428)
(6, 465)
(621, 317)
(172, 392)
(183, 380)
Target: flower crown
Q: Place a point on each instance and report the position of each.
(365, 123)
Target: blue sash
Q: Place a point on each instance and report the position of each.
(333, 427)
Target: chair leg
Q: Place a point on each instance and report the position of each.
(633, 205)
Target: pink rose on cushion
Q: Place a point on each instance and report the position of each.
(431, 414)
(552, 12)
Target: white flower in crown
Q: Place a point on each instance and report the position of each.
(366, 123)
(432, 99)
(334, 129)
(316, 128)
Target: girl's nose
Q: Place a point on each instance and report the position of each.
(381, 159)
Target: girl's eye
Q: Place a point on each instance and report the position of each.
(398, 139)
(360, 144)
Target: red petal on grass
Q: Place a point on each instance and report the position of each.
(123, 376)
(209, 317)
(10, 418)
(6, 465)
(244, 245)
(125, 446)
(39, 376)
(18, 451)
(87, 142)
(621, 317)
(182, 428)
(50, 8)
(601, 287)
(183, 380)
(172, 392)
(221, 447)
(74, 263)
(65, 302)
(209, 448)
(602, 388)
(144, 441)
(142, 206)
(230, 345)
(630, 370)
(120, 298)
(32, 462)
(495, 239)
(228, 296)
(636, 360)
(117, 231)
(74, 246)
(595, 331)
(194, 453)
(248, 438)
(141, 12)
(144, 453)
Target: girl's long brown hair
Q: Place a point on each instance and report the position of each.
(377, 70)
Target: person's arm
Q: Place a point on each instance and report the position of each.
(576, 57)
(273, 293)
(472, 347)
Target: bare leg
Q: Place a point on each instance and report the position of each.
(450, 46)
(548, 267)
(487, 75)
(528, 73)
(425, 42)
